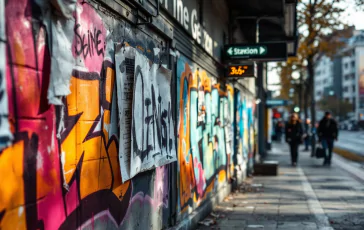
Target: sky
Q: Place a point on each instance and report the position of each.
(352, 17)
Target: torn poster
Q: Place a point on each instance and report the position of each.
(5, 133)
(2, 21)
(152, 137)
(60, 29)
(124, 66)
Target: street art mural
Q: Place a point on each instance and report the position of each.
(205, 134)
(62, 170)
(245, 132)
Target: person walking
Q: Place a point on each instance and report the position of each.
(308, 134)
(294, 132)
(279, 131)
(327, 132)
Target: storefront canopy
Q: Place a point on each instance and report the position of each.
(277, 21)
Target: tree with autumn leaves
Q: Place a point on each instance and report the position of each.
(320, 33)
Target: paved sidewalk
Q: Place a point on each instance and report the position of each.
(309, 196)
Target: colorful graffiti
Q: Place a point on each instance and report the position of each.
(205, 131)
(62, 169)
(245, 132)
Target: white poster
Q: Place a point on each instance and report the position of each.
(152, 137)
(5, 134)
(125, 65)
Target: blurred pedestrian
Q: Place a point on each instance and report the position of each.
(327, 132)
(314, 136)
(279, 130)
(308, 134)
(294, 132)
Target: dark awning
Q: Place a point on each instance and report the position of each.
(277, 21)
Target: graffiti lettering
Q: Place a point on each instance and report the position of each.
(90, 45)
(152, 127)
(205, 134)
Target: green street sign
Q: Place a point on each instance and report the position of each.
(249, 50)
(276, 51)
(277, 102)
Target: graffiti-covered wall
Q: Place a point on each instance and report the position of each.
(245, 132)
(205, 134)
(62, 169)
(92, 121)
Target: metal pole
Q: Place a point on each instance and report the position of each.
(300, 96)
(257, 31)
(261, 112)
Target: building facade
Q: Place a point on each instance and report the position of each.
(352, 71)
(116, 114)
(324, 77)
(340, 76)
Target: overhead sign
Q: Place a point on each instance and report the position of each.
(277, 102)
(242, 71)
(260, 51)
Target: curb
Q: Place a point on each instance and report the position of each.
(348, 154)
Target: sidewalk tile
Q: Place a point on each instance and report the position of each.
(285, 202)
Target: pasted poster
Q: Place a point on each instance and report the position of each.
(5, 134)
(153, 139)
(125, 66)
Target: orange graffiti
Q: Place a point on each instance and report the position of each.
(202, 172)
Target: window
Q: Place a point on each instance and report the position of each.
(361, 102)
(354, 88)
(353, 64)
(346, 65)
(347, 77)
(353, 76)
(346, 89)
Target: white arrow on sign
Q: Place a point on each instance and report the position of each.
(261, 50)
(230, 51)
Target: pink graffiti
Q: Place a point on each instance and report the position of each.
(89, 40)
(161, 187)
(27, 73)
(200, 178)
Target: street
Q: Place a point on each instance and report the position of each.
(308, 196)
(352, 141)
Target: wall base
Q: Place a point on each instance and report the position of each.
(191, 222)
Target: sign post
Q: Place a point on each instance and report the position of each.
(277, 102)
(257, 52)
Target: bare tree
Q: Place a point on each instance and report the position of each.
(321, 30)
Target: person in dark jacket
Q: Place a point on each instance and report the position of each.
(327, 132)
(308, 134)
(294, 132)
(279, 130)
